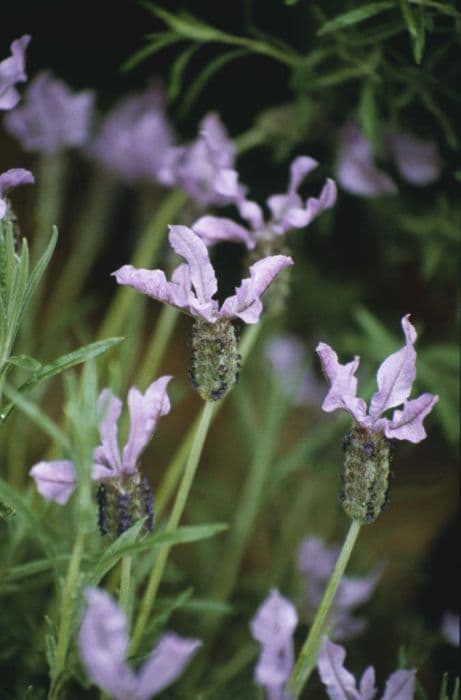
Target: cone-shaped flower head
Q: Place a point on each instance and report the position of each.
(103, 642)
(134, 138)
(124, 496)
(12, 71)
(288, 211)
(8, 180)
(340, 684)
(52, 118)
(316, 562)
(205, 168)
(273, 627)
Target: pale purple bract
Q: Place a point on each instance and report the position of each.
(12, 71)
(10, 179)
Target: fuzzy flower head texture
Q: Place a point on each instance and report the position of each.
(395, 378)
(205, 168)
(57, 480)
(135, 137)
(12, 71)
(9, 180)
(316, 562)
(288, 211)
(52, 117)
(193, 284)
(103, 643)
(340, 684)
(273, 627)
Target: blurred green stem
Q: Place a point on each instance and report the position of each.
(173, 522)
(125, 579)
(157, 346)
(307, 658)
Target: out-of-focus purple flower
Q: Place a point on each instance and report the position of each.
(10, 179)
(52, 117)
(56, 480)
(316, 562)
(417, 161)
(205, 168)
(450, 627)
(395, 377)
(103, 642)
(341, 685)
(12, 71)
(288, 211)
(287, 355)
(135, 137)
(356, 170)
(273, 627)
(193, 284)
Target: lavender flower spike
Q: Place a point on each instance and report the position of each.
(103, 642)
(8, 180)
(395, 377)
(52, 118)
(273, 627)
(12, 72)
(341, 685)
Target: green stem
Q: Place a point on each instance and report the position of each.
(125, 578)
(143, 256)
(67, 610)
(307, 658)
(158, 343)
(173, 522)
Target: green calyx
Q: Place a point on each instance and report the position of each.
(215, 362)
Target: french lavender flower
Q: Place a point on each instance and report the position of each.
(134, 138)
(8, 180)
(215, 361)
(450, 627)
(288, 358)
(316, 562)
(103, 643)
(12, 71)
(418, 162)
(52, 118)
(273, 627)
(341, 685)
(367, 447)
(124, 495)
(205, 168)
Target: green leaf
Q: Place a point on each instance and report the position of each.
(416, 28)
(115, 552)
(6, 511)
(156, 44)
(15, 501)
(186, 25)
(31, 568)
(30, 364)
(41, 266)
(178, 68)
(355, 16)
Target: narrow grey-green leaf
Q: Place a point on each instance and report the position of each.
(156, 43)
(42, 264)
(178, 68)
(355, 16)
(30, 364)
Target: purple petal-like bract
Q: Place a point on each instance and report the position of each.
(166, 663)
(450, 627)
(339, 683)
(418, 162)
(213, 229)
(55, 481)
(12, 71)
(400, 686)
(108, 453)
(10, 179)
(52, 117)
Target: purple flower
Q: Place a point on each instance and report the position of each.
(395, 377)
(9, 179)
(193, 284)
(287, 355)
(356, 170)
(341, 685)
(417, 161)
(205, 168)
(316, 562)
(450, 628)
(57, 480)
(52, 117)
(288, 211)
(273, 627)
(103, 642)
(135, 137)
(12, 72)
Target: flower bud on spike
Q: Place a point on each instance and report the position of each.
(122, 502)
(215, 360)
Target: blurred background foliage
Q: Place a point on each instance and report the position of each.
(284, 77)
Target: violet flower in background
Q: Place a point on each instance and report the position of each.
(12, 71)
(103, 643)
(418, 162)
(316, 562)
(8, 180)
(205, 168)
(450, 627)
(52, 117)
(134, 138)
(340, 684)
(288, 211)
(288, 358)
(273, 627)
(395, 377)
(124, 495)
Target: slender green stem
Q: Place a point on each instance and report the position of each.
(67, 609)
(307, 658)
(125, 579)
(158, 343)
(173, 522)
